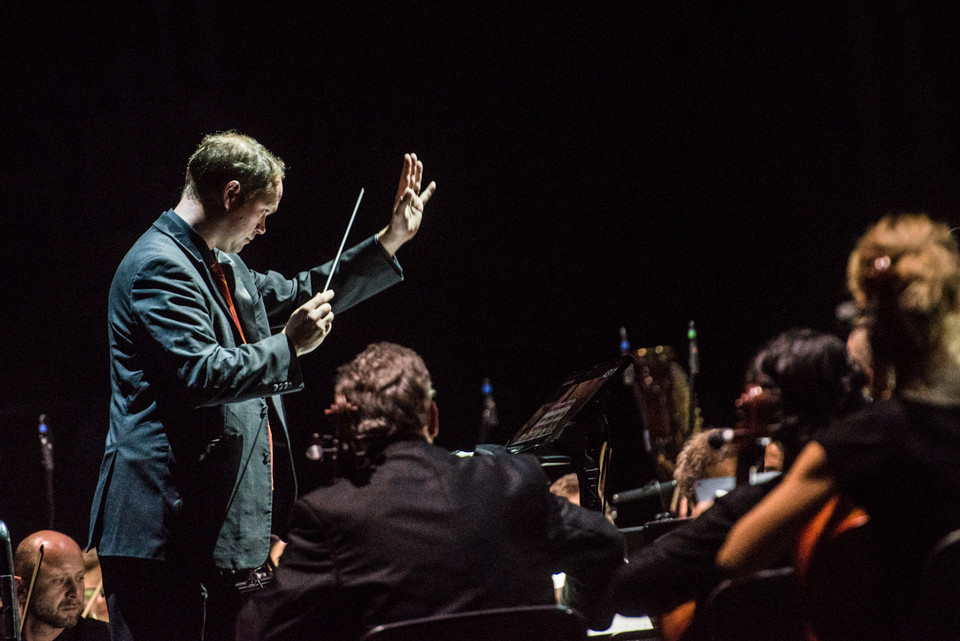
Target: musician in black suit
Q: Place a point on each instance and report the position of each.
(201, 347)
(420, 531)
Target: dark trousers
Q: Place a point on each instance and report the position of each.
(152, 600)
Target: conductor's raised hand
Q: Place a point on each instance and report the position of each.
(407, 206)
(310, 323)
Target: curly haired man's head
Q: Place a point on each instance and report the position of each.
(391, 388)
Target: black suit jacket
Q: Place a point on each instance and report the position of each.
(86, 630)
(431, 533)
(186, 469)
(680, 565)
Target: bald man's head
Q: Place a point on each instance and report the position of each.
(57, 597)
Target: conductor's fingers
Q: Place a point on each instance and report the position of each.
(321, 313)
(428, 192)
(318, 300)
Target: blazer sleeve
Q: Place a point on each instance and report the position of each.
(589, 549)
(679, 566)
(364, 270)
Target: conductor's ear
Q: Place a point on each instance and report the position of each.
(231, 195)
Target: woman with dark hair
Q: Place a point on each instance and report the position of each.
(814, 380)
(807, 379)
(897, 458)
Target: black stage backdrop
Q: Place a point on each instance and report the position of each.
(637, 164)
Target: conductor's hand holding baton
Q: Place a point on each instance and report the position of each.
(310, 323)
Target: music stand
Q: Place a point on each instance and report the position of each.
(592, 416)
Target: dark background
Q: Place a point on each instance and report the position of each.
(637, 164)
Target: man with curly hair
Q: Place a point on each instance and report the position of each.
(418, 531)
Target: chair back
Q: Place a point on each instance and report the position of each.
(939, 598)
(526, 623)
(839, 566)
(760, 606)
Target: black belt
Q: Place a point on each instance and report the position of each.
(247, 581)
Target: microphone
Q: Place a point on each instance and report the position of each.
(314, 450)
(9, 608)
(653, 488)
(694, 352)
(726, 436)
(46, 443)
(46, 455)
(489, 420)
(730, 435)
(694, 371)
(628, 373)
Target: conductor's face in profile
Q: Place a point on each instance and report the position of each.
(246, 218)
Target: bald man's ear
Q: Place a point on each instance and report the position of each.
(21, 590)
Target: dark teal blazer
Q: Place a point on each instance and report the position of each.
(186, 469)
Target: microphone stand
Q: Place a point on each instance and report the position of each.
(694, 367)
(46, 454)
(9, 608)
(488, 417)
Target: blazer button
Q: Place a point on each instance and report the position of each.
(266, 458)
(263, 411)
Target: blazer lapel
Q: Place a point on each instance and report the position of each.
(244, 301)
(195, 248)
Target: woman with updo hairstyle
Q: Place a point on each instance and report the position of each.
(898, 458)
(904, 275)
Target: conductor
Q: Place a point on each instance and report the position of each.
(201, 348)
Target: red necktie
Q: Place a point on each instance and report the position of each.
(220, 278)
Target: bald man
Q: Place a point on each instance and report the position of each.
(56, 599)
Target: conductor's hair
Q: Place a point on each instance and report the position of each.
(230, 155)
